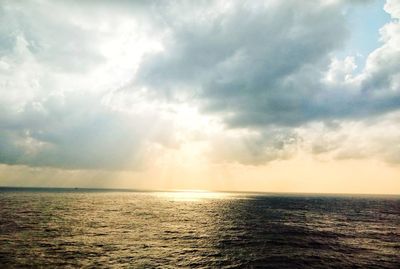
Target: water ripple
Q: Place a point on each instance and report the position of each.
(160, 230)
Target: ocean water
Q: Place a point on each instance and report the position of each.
(83, 228)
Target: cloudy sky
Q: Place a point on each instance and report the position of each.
(292, 96)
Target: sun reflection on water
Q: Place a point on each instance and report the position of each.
(193, 195)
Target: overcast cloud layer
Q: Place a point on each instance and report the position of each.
(108, 85)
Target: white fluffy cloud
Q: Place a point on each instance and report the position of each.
(59, 72)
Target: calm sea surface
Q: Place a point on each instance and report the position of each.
(55, 228)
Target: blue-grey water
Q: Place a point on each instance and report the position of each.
(78, 228)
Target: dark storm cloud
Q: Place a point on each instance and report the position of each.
(244, 50)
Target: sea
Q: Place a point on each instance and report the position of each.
(89, 228)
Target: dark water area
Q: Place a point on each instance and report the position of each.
(81, 228)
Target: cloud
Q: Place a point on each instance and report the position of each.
(74, 132)
(254, 148)
(265, 64)
(393, 8)
(257, 63)
(58, 73)
(277, 71)
(375, 138)
(53, 37)
(98, 85)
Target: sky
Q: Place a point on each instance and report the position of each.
(274, 96)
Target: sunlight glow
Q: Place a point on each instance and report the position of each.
(193, 195)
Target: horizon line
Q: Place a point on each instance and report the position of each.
(110, 189)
